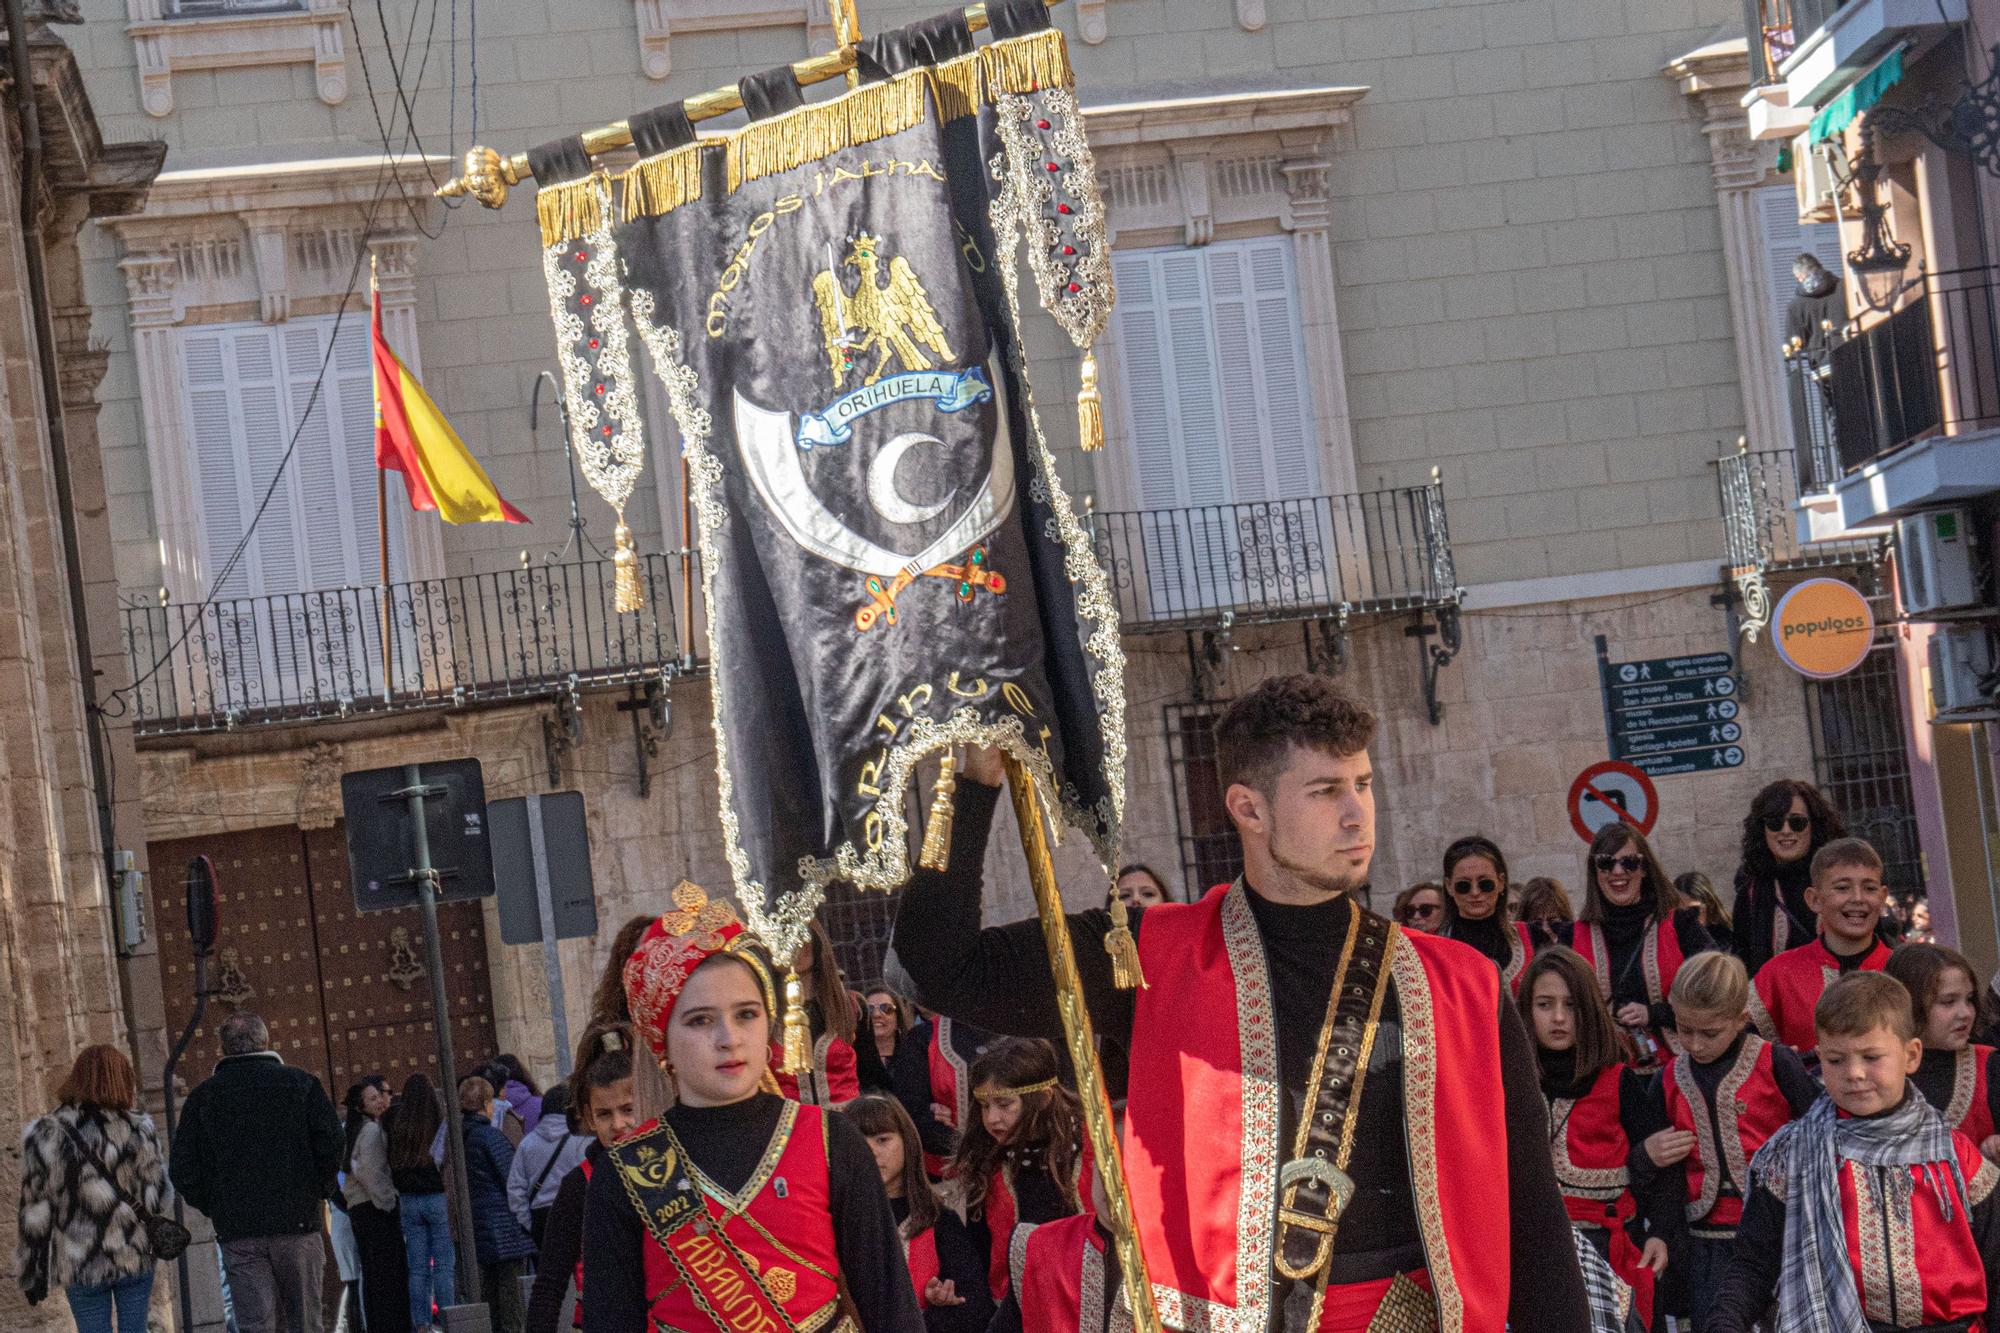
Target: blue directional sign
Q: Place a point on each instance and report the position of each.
(1671, 715)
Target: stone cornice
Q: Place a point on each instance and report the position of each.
(1217, 115)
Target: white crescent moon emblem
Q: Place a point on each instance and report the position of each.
(882, 493)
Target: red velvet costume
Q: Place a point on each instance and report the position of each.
(789, 1196)
(1202, 1148)
(1787, 988)
(1062, 1277)
(1521, 947)
(1588, 1140)
(1897, 1245)
(951, 1077)
(1750, 1107)
(833, 1079)
(922, 1256)
(1970, 1111)
(1003, 1215)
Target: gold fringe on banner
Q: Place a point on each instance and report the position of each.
(658, 185)
(958, 87)
(1028, 64)
(571, 210)
(872, 111)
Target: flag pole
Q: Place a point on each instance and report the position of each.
(381, 504)
(1082, 1043)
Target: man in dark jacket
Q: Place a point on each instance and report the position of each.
(258, 1151)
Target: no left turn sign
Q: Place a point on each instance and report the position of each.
(1610, 792)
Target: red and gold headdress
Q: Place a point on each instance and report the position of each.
(672, 948)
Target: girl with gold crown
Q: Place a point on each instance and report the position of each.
(737, 1211)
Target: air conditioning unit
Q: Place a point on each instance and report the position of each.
(1937, 568)
(1815, 180)
(1964, 685)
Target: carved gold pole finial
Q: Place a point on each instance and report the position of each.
(485, 177)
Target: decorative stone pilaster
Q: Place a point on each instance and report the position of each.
(1714, 78)
(319, 804)
(1307, 173)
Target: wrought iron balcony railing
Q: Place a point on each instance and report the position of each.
(470, 638)
(1760, 523)
(1272, 560)
(1932, 366)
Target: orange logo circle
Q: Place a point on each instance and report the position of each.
(1823, 628)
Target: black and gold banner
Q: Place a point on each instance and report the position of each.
(891, 563)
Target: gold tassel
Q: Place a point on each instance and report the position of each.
(1028, 64)
(626, 595)
(936, 854)
(1126, 974)
(1090, 406)
(660, 184)
(956, 83)
(872, 111)
(571, 210)
(798, 1037)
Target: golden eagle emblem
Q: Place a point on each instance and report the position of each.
(896, 320)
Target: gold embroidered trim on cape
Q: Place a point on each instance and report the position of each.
(1875, 1282)
(1420, 1074)
(1980, 1187)
(872, 111)
(1964, 1078)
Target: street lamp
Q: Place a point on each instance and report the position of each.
(1879, 264)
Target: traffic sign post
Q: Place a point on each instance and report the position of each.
(1611, 792)
(541, 867)
(1670, 715)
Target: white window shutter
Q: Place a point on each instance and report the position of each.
(1785, 238)
(1291, 430)
(218, 457)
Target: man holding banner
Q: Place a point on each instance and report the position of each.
(1333, 1125)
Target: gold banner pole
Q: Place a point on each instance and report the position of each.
(846, 32)
(1082, 1044)
(486, 174)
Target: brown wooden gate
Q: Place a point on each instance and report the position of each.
(345, 993)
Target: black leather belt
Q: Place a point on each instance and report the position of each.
(1314, 1186)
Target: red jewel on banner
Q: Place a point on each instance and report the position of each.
(600, 388)
(1069, 249)
(593, 344)
(607, 430)
(1041, 125)
(584, 300)
(1074, 288)
(581, 256)
(1062, 208)
(1054, 167)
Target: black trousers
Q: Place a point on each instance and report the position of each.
(385, 1273)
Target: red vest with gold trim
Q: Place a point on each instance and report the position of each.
(1062, 1278)
(1787, 988)
(789, 1197)
(1659, 963)
(1969, 1111)
(1911, 1266)
(1202, 1147)
(1749, 1106)
(1521, 948)
(921, 1254)
(1003, 1214)
(833, 1080)
(1588, 1141)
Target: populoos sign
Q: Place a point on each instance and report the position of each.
(1823, 628)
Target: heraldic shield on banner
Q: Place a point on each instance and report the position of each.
(890, 564)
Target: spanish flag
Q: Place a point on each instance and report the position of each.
(413, 438)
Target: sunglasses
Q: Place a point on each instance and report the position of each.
(879, 1008)
(1427, 909)
(1484, 884)
(1625, 863)
(1796, 823)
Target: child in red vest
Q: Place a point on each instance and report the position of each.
(1956, 1076)
(1597, 1110)
(736, 1209)
(1868, 1211)
(1846, 891)
(1021, 1160)
(947, 1266)
(1717, 1102)
(602, 1091)
(1065, 1276)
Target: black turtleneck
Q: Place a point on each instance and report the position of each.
(728, 1143)
(1491, 935)
(999, 978)
(962, 1263)
(1937, 1074)
(1763, 897)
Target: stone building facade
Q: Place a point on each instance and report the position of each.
(1488, 243)
(66, 977)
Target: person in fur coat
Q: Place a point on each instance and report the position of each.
(74, 1231)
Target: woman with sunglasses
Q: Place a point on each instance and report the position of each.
(888, 1022)
(1420, 907)
(1634, 934)
(1788, 821)
(1475, 908)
